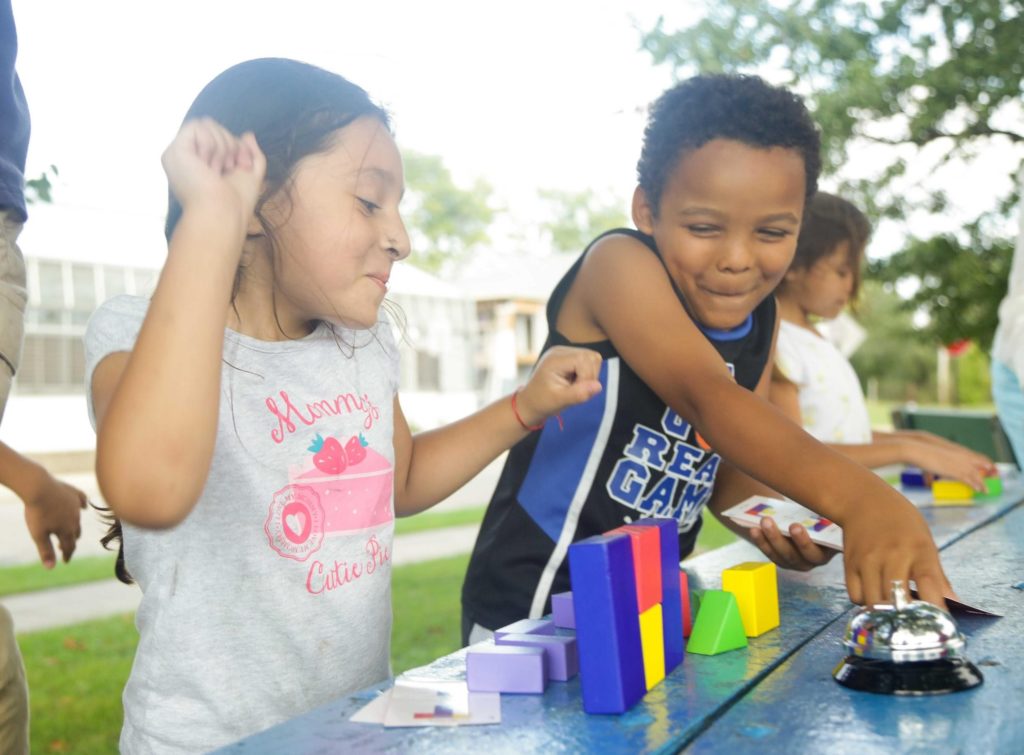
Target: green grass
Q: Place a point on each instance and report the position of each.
(433, 520)
(76, 675)
(32, 577)
(713, 534)
(428, 611)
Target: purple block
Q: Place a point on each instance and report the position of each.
(561, 661)
(505, 668)
(607, 623)
(671, 591)
(561, 610)
(527, 626)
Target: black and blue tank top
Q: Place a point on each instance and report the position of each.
(621, 456)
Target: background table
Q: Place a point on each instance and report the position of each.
(777, 695)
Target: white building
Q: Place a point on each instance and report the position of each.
(511, 293)
(74, 260)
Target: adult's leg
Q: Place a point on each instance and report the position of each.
(13, 691)
(13, 297)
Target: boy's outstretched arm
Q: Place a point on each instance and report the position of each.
(432, 465)
(885, 537)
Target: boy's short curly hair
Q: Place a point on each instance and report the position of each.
(724, 106)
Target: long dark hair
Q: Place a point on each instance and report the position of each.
(294, 109)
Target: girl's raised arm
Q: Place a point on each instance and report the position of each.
(156, 407)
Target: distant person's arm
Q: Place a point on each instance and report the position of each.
(52, 508)
(920, 449)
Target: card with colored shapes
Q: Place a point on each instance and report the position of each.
(431, 703)
(750, 512)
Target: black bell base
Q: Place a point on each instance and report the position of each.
(907, 678)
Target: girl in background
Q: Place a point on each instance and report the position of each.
(814, 383)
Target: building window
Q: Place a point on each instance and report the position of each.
(113, 282)
(51, 285)
(524, 334)
(428, 371)
(51, 363)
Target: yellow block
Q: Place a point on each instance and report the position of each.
(652, 642)
(755, 586)
(951, 491)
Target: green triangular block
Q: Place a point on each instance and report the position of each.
(695, 596)
(718, 626)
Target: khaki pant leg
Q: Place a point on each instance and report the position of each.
(13, 298)
(13, 691)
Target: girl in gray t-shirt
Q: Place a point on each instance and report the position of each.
(249, 431)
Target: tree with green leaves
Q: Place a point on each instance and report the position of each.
(577, 217)
(928, 81)
(444, 220)
(40, 188)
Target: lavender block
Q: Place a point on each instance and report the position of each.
(527, 626)
(505, 668)
(561, 610)
(561, 661)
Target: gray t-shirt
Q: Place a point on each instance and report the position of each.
(274, 595)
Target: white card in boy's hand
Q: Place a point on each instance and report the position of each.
(750, 512)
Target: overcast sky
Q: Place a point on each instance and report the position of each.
(529, 95)
(526, 95)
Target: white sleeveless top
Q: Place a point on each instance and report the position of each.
(832, 405)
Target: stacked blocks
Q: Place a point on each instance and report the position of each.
(505, 668)
(652, 643)
(684, 593)
(561, 661)
(755, 586)
(646, 543)
(718, 627)
(524, 656)
(527, 626)
(561, 610)
(607, 624)
(675, 599)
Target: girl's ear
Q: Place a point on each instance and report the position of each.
(643, 215)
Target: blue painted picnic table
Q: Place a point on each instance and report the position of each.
(777, 695)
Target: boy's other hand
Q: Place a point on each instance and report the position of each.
(797, 552)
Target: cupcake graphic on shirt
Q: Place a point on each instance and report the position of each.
(339, 488)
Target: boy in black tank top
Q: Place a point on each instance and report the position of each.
(683, 315)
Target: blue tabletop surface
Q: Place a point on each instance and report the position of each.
(799, 708)
(743, 700)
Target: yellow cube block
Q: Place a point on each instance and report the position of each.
(755, 585)
(952, 491)
(652, 642)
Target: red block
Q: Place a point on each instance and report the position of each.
(646, 542)
(684, 589)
